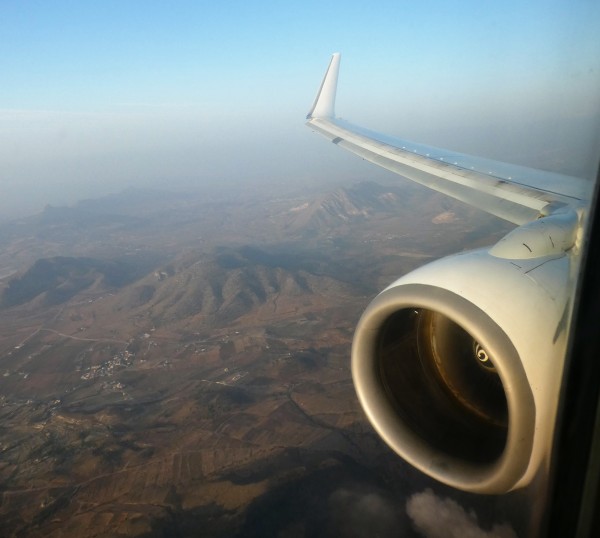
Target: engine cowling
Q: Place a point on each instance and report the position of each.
(458, 366)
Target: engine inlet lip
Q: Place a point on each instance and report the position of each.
(498, 476)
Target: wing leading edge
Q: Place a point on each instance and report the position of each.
(511, 192)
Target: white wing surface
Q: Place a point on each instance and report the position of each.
(514, 193)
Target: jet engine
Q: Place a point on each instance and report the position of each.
(458, 365)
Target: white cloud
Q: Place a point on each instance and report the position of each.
(436, 517)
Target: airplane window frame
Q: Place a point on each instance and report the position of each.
(575, 490)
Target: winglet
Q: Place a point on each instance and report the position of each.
(324, 104)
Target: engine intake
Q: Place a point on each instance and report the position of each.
(444, 386)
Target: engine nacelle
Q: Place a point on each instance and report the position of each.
(458, 366)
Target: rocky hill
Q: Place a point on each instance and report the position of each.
(345, 204)
(58, 279)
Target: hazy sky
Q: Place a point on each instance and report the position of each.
(96, 96)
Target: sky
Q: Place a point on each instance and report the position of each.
(100, 96)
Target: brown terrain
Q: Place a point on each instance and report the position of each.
(178, 365)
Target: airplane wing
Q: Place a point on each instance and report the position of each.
(514, 193)
(429, 349)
